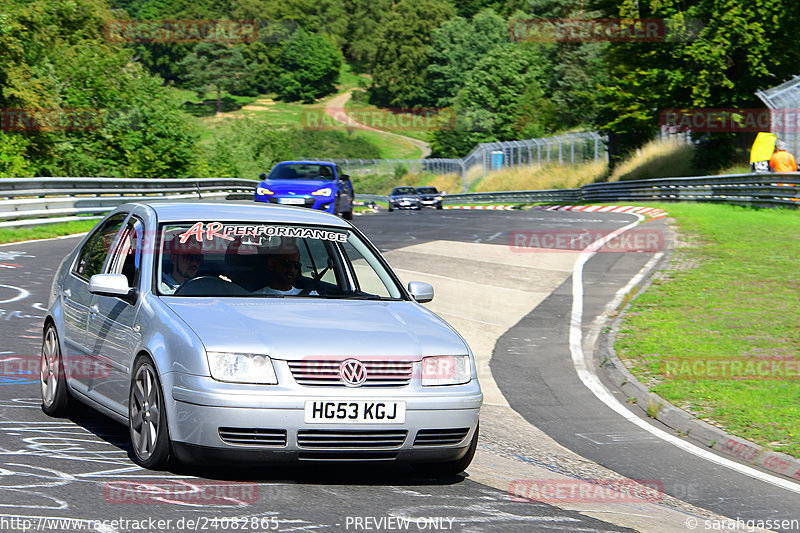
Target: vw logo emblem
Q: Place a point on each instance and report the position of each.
(353, 372)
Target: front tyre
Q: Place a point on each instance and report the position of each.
(147, 417)
(55, 397)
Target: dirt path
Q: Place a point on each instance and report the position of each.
(335, 109)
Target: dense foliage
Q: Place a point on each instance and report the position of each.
(463, 58)
(75, 105)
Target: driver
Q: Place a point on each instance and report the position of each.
(185, 258)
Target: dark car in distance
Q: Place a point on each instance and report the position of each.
(430, 197)
(404, 198)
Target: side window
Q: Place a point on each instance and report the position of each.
(364, 267)
(314, 258)
(94, 252)
(128, 253)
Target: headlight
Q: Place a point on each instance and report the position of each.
(323, 192)
(438, 198)
(446, 370)
(261, 191)
(242, 368)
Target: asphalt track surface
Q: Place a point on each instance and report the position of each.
(81, 469)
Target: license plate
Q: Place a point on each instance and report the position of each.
(292, 201)
(354, 412)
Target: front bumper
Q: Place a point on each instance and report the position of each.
(432, 202)
(407, 204)
(322, 204)
(438, 425)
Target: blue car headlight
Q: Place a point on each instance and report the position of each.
(263, 191)
(242, 368)
(327, 191)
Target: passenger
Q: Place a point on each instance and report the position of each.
(186, 259)
(283, 267)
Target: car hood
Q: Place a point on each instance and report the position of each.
(298, 187)
(294, 329)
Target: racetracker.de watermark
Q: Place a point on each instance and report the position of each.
(181, 31)
(751, 368)
(81, 367)
(396, 119)
(586, 240)
(585, 491)
(197, 492)
(55, 119)
(569, 30)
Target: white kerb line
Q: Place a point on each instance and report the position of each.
(593, 383)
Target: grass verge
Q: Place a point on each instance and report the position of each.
(45, 231)
(729, 300)
(541, 178)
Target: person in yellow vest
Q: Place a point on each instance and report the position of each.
(782, 161)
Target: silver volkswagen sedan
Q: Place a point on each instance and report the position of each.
(255, 333)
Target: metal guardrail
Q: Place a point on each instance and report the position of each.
(32, 201)
(754, 190)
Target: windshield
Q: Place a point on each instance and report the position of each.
(427, 190)
(269, 260)
(301, 171)
(404, 190)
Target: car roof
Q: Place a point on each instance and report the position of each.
(328, 163)
(241, 212)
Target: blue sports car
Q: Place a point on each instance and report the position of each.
(315, 184)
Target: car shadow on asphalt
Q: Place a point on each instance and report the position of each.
(366, 473)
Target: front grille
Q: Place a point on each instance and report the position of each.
(350, 439)
(440, 437)
(253, 436)
(326, 373)
(351, 456)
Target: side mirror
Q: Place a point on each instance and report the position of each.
(420, 291)
(262, 176)
(110, 285)
(345, 177)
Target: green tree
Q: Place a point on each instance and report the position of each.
(309, 67)
(325, 17)
(457, 47)
(501, 100)
(739, 48)
(107, 116)
(402, 57)
(365, 18)
(215, 66)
